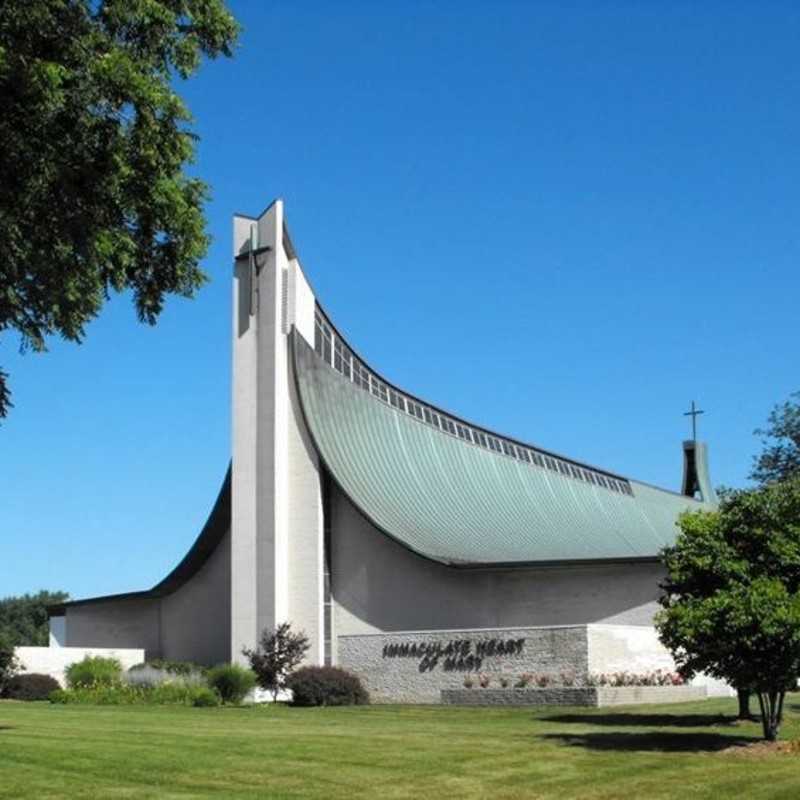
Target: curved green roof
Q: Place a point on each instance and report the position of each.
(461, 504)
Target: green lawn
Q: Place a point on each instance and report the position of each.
(382, 752)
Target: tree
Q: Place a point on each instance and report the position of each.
(94, 142)
(9, 665)
(731, 599)
(278, 653)
(743, 696)
(24, 619)
(780, 459)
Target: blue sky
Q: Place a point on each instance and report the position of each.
(561, 220)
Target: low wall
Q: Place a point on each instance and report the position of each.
(54, 660)
(598, 696)
(414, 667)
(636, 648)
(630, 695)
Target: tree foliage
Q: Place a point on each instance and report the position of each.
(731, 601)
(9, 665)
(278, 653)
(94, 142)
(24, 619)
(780, 458)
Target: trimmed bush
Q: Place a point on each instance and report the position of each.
(205, 698)
(93, 671)
(31, 686)
(326, 686)
(59, 696)
(231, 681)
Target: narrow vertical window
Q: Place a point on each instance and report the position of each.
(327, 591)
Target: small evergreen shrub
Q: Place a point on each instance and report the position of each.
(30, 686)
(205, 697)
(58, 696)
(232, 682)
(93, 671)
(469, 681)
(326, 686)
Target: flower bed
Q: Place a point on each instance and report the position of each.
(122, 694)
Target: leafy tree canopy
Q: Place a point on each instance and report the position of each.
(23, 619)
(780, 458)
(94, 142)
(731, 601)
(9, 665)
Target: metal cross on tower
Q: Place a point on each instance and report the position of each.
(694, 413)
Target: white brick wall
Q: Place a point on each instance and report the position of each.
(54, 660)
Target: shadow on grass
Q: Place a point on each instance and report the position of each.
(643, 720)
(651, 742)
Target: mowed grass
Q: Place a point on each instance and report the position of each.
(389, 752)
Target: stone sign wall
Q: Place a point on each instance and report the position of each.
(415, 667)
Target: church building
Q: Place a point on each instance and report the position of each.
(400, 537)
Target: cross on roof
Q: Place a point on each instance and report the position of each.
(694, 413)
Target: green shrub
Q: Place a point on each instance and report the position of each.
(231, 681)
(205, 698)
(93, 671)
(177, 694)
(59, 696)
(31, 686)
(168, 694)
(326, 686)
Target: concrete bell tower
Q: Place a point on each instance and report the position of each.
(276, 514)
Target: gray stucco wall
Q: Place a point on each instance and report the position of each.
(196, 619)
(304, 579)
(191, 624)
(381, 586)
(115, 623)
